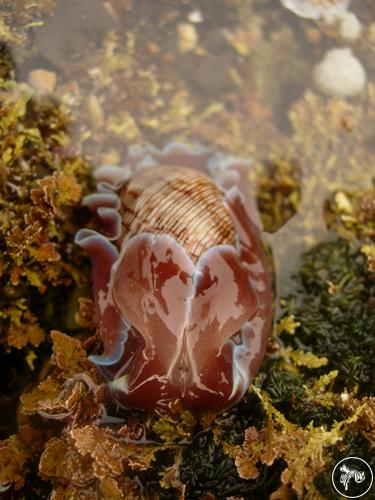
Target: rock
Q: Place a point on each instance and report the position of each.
(210, 74)
(42, 80)
(74, 34)
(187, 37)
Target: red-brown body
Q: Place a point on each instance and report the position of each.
(183, 293)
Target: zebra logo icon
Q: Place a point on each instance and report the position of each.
(348, 474)
(352, 477)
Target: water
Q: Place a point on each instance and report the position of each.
(234, 75)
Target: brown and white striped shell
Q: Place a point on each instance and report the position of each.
(185, 204)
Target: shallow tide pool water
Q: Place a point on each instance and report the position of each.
(287, 86)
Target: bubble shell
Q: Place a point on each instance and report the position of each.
(182, 289)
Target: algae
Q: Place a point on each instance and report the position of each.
(313, 402)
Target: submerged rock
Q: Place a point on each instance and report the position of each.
(74, 34)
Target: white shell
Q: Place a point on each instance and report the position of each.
(340, 74)
(316, 9)
(350, 27)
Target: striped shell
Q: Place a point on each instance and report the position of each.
(185, 204)
(182, 291)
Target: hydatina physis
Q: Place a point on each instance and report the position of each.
(182, 288)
